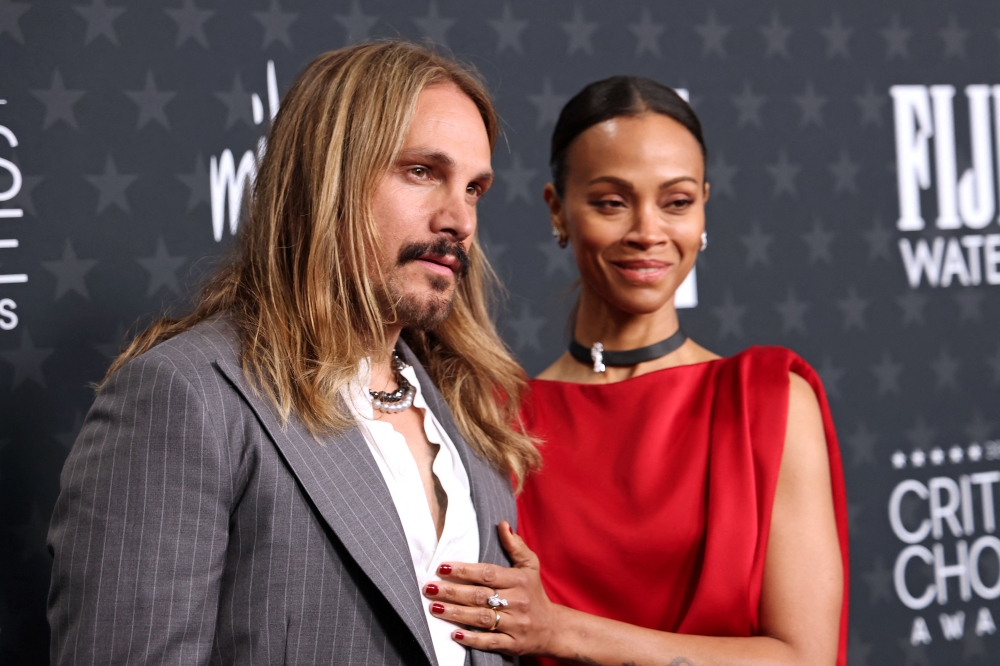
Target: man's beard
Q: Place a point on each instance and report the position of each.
(427, 314)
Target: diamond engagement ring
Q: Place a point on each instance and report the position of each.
(495, 601)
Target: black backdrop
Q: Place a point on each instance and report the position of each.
(116, 123)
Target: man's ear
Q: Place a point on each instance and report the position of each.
(557, 213)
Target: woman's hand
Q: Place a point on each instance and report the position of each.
(526, 623)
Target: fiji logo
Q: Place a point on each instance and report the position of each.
(966, 201)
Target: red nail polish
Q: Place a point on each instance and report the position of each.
(444, 569)
(437, 609)
(459, 636)
(431, 588)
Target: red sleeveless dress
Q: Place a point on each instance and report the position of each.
(653, 505)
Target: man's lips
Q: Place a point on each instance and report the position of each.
(441, 263)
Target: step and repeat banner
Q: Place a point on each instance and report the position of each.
(853, 157)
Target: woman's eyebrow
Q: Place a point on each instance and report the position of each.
(626, 184)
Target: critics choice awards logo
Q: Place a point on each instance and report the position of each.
(8, 316)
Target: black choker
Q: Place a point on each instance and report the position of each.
(600, 359)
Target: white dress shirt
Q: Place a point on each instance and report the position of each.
(460, 537)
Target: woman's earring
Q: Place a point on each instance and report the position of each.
(704, 240)
(560, 237)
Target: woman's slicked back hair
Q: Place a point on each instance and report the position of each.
(612, 98)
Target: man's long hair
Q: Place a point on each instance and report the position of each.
(305, 285)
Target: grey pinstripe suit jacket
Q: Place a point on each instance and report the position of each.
(192, 529)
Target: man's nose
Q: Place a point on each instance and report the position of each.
(455, 216)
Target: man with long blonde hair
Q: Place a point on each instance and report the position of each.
(274, 477)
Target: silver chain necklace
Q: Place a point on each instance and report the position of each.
(399, 400)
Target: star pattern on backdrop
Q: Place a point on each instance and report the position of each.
(713, 36)
(838, 38)
(853, 308)
(921, 435)
(67, 437)
(517, 179)
(557, 259)
(811, 105)
(100, 20)
(845, 173)
(70, 272)
(784, 172)
(979, 429)
(913, 655)
(197, 183)
(954, 38)
(912, 304)
(730, 315)
(647, 34)
(24, 198)
(793, 313)
(434, 26)
(579, 31)
(720, 176)
(886, 373)
(970, 304)
(858, 651)
(10, 19)
(526, 327)
(27, 361)
(162, 269)
(151, 102)
(757, 244)
(58, 101)
(862, 445)
(878, 238)
(548, 104)
(356, 23)
(276, 24)
(508, 31)
(818, 240)
(831, 374)
(190, 23)
(879, 582)
(775, 36)
(994, 363)
(896, 39)
(945, 368)
(870, 105)
(111, 187)
(748, 106)
(238, 104)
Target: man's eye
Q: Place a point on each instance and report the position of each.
(419, 172)
(474, 190)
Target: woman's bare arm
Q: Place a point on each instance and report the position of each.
(800, 600)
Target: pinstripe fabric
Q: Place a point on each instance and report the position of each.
(191, 528)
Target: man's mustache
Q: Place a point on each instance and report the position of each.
(440, 248)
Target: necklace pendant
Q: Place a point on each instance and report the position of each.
(597, 356)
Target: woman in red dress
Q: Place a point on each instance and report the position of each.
(690, 508)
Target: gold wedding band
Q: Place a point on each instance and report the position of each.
(496, 623)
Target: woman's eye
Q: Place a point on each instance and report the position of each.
(679, 204)
(609, 203)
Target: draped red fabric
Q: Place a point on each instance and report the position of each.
(653, 506)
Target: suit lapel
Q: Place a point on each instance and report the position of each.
(343, 481)
(491, 492)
